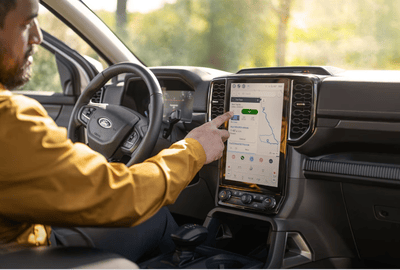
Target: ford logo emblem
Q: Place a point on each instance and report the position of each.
(105, 123)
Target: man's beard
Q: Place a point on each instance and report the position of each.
(17, 75)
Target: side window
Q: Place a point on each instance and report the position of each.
(58, 29)
(45, 74)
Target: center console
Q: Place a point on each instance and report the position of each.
(271, 111)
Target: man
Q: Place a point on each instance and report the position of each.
(45, 179)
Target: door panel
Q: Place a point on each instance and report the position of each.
(53, 111)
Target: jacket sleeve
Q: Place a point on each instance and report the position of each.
(47, 179)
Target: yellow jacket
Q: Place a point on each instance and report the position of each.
(47, 179)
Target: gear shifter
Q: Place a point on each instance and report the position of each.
(186, 239)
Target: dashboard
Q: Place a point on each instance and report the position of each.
(313, 153)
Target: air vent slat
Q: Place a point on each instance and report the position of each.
(302, 99)
(217, 98)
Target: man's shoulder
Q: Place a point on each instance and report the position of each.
(11, 104)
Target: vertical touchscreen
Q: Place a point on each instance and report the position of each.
(253, 148)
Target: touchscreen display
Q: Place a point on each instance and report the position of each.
(253, 148)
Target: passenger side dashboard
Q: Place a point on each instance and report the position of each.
(341, 188)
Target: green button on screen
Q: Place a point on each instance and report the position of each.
(249, 111)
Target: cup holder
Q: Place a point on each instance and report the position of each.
(224, 261)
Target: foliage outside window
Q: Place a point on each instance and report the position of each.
(235, 34)
(45, 77)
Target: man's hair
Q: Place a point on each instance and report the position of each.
(5, 7)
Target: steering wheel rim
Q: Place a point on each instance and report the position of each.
(149, 140)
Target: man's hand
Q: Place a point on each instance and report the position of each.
(211, 138)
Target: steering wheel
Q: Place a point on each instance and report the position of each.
(113, 130)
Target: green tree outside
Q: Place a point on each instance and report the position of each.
(235, 34)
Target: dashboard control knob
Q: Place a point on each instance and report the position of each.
(225, 195)
(269, 202)
(246, 198)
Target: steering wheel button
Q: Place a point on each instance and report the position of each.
(135, 138)
(84, 118)
(128, 145)
(88, 111)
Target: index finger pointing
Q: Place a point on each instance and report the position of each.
(222, 119)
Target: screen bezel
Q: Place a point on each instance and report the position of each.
(283, 147)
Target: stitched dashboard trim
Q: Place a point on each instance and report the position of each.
(353, 169)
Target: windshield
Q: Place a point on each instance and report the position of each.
(235, 34)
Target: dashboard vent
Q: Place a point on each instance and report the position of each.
(217, 99)
(301, 110)
(96, 98)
